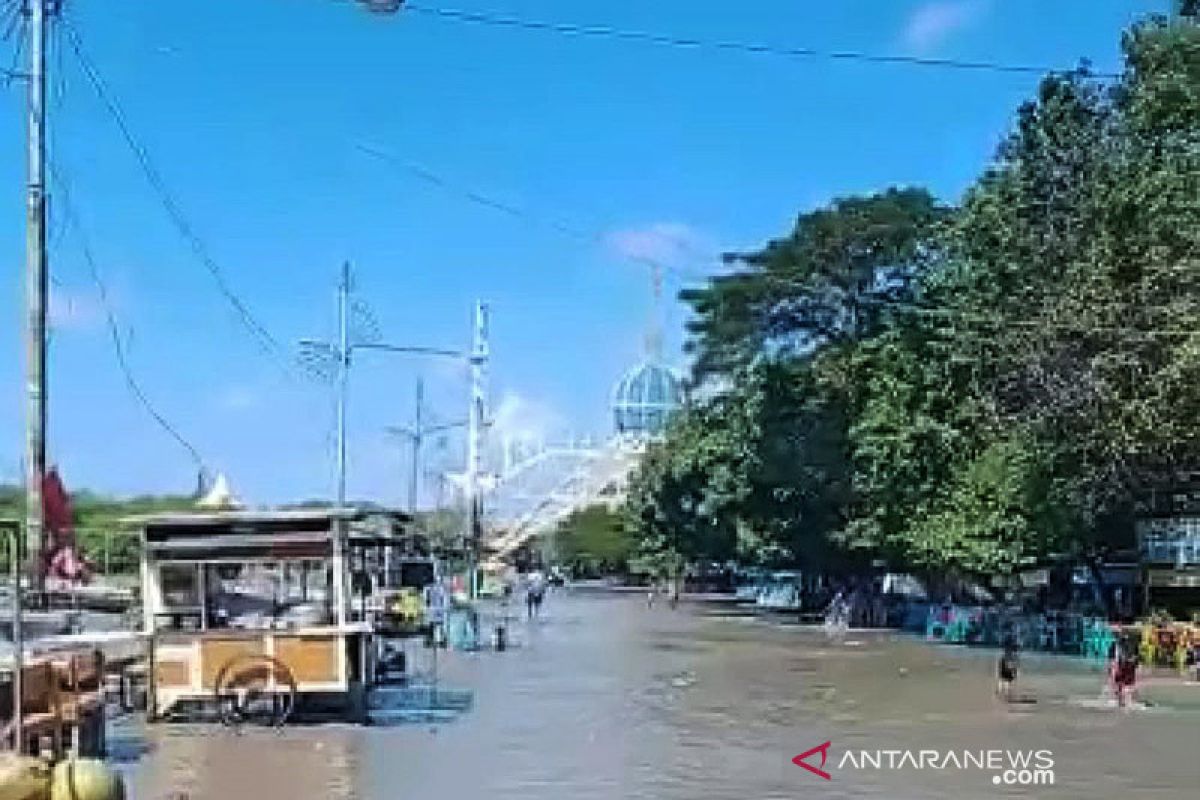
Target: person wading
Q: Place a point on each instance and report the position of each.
(535, 593)
(1007, 670)
(1123, 667)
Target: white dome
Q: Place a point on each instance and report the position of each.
(645, 399)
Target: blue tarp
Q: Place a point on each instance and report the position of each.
(462, 628)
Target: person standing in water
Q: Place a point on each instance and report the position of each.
(1123, 671)
(535, 593)
(1007, 670)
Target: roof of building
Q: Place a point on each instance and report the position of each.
(251, 517)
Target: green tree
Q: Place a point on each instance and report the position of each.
(826, 282)
(681, 498)
(1053, 349)
(101, 530)
(594, 541)
(757, 474)
(965, 390)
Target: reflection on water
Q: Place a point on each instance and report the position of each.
(605, 698)
(195, 762)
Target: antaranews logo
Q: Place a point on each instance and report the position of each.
(1008, 767)
(823, 749)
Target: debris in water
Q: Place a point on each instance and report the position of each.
(684, 680)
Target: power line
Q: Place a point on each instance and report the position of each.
(135, 388)
(751, 48)
(777, 281)
(167, 198)
(522, 214)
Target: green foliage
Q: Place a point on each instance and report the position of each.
(823, 283)
(593, 541)
(98, 523)
(966, 390)
(445, 528)
(679, 500)
(754, 474)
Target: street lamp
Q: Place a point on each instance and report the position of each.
(329, 361)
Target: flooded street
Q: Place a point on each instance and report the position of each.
(604, 698)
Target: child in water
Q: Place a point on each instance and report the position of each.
(1123, 670)
(1007, 668)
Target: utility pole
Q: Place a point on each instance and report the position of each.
(419, 434)
(36, 276)
(36, 280)
(343, 381)
(321, 355)
(343, 378)
(476, 423)
(416, 436)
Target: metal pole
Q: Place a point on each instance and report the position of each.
(36, 284)
(418, 435)
(35, 389)
(475, 422)
(339, 526)
(343, 356)
(18, 639)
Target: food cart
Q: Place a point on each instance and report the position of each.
(403, 605)
(259, 614)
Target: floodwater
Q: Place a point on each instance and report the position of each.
(603, 698)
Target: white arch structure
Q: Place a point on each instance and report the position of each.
(539, 492)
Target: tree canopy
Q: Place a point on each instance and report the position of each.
(972, 388)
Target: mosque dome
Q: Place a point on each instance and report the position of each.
(645, 398)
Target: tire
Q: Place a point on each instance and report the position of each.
(244, 666)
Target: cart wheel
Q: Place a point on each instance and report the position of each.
(255, 688)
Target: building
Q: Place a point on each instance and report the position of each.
(1168, 540)
(1169, 545)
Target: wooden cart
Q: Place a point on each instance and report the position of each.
(264, 613)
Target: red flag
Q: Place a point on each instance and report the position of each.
(59, 556)
(56, 509)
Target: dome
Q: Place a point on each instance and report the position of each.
(645, 399)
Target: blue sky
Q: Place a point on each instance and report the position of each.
(254, 111)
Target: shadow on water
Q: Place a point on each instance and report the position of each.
(678, 647)
(420, 704)
(126, 744)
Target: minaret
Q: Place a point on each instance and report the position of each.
(654, 336)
